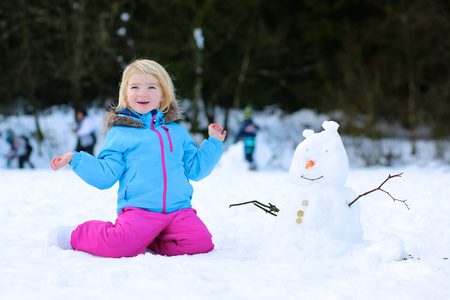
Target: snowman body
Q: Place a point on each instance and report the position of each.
(316, 218)
(316, 215)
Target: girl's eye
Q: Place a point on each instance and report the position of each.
(152, 87)
(133, 87)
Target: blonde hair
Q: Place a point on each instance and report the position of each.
(148, 67)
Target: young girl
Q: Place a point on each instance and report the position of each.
(153, 159)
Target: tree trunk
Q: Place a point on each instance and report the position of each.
(198, 62)
(28, 69)
(241, 79)
(78, 48)
(411, 109)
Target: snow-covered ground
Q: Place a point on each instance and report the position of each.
(33, 202)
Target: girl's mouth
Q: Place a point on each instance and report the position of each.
(143, 102)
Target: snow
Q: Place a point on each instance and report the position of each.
(36, 201)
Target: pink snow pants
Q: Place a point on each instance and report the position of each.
(136, 229)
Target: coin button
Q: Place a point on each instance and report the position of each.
(299, 220)
(305, 202)
(300, 213)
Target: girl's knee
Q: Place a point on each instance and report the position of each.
(192, 244)
(104, 239)
(201, 242)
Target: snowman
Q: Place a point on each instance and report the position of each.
(316, 219)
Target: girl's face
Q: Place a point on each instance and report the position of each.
(144, 93)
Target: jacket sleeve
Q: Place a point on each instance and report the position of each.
(199, 162)
(104, 171)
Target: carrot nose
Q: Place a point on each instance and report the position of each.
(309, 164)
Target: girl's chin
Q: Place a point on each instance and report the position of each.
(142, 109)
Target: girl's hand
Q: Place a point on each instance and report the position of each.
(215, 131)
(63, 160)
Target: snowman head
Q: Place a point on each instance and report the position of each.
(320, 158)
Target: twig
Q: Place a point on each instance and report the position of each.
(380, 189)
(270, 208)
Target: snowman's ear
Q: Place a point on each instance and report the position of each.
(307, 133)
(330, 125)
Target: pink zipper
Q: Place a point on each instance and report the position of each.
(168, 136)
(163, 162)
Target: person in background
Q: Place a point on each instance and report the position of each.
(154, 159)
(24, 150)
(20, 149)
(12, 148)
(85, 131)
(247, 132)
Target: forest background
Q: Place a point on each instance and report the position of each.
(367, 62)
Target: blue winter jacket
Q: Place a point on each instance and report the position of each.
(153, 162)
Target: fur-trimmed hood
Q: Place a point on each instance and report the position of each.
(114, 118)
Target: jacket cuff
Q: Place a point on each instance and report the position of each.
(75, 159)
(215, 141)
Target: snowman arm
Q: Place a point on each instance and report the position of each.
(270, 208)
(380, 189)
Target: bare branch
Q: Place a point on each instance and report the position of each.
(380, 189)
(267, 208)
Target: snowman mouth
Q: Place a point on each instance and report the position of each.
(311, 179)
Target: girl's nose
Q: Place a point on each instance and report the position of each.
(309, 164)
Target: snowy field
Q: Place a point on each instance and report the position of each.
(35, 201)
